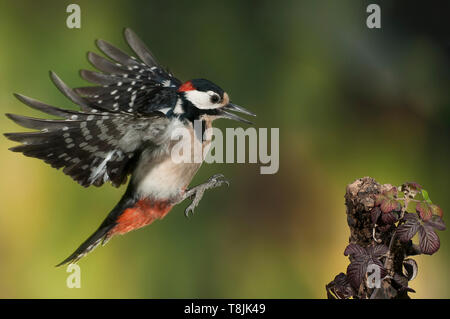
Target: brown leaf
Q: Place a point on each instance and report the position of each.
(424, 210)
(428, 240)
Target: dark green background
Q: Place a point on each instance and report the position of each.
(349, 102)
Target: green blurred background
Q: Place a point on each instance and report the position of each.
(349, 102)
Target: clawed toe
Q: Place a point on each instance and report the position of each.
(218, 180)
(188, 210)
(197, 192)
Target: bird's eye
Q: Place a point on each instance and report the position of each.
(215, 98)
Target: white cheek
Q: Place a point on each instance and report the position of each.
(201, 100)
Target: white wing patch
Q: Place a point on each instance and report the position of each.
(101, 169)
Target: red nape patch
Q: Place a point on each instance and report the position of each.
(143, 213)
(186, 86)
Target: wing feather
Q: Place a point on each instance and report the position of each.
(139, 48)
(45, 108)
(69, 93)
(128, 84)
(93, 149)
(105, 65)
(116, 54)
(118, 118)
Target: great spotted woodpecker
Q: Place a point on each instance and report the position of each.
(124, 128)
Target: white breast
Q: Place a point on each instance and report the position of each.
(157, 176)
(166, 179)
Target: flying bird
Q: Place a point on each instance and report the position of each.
(124, 127)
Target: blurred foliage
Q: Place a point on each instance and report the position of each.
(349, 102)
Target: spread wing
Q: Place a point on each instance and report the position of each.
(128, 84)
(116, 122)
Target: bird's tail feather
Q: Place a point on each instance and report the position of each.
(101, 235)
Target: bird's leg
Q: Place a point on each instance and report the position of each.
(196, 193)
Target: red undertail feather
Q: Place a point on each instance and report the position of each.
(143, 213)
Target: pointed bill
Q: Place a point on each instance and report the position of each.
(237, 108)
(232, 116)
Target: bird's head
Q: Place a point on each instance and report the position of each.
(202, 98)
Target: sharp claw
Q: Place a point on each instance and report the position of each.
(197, 192)
(224, 181)
(189, 209)
(219, 179)
(214, 177)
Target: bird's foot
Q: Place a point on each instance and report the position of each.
(196, 193)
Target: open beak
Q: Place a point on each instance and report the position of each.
(236, 108)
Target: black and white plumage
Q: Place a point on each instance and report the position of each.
(124, 127)
(93, 146)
